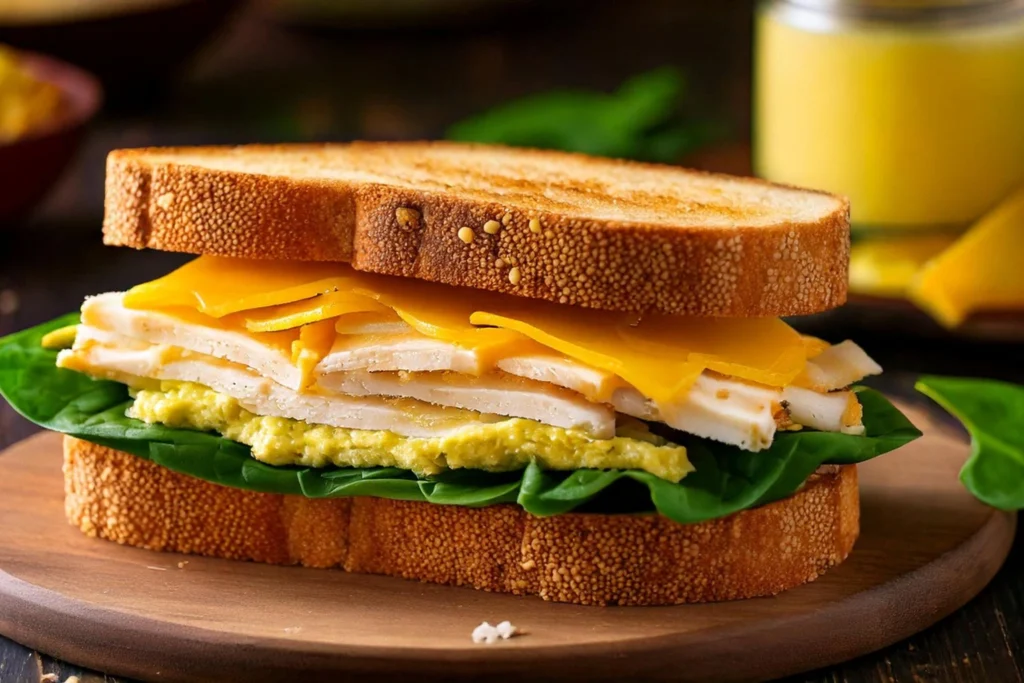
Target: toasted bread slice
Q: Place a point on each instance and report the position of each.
(566, 228)
(578, 558)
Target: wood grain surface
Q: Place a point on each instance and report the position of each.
(926, 548)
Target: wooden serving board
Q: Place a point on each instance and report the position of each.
(926, 548)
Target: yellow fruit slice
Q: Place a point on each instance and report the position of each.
(983, 270)
(887, 266)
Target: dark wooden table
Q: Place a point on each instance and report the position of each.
(260, 82)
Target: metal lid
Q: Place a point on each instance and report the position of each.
(929, 12)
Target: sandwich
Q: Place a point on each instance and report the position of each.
(522, 371)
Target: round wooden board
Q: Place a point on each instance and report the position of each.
(926, 548)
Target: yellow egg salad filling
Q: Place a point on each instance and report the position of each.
(503, 445)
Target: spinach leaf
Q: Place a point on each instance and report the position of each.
(639, 121)
(726, 479)
(993, 413)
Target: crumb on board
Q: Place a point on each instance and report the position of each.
(181, 565)
(485, 633)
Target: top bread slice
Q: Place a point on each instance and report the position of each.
(567, 228)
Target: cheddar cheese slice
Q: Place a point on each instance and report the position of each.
(218, 286)
(603, 341)
(763, 350)
(319, 308)
(306, 305)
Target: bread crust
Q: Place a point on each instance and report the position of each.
(586, 559)
(165, 199)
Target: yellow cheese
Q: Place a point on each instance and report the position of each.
(601, 340)
(814, 346)
(314, 342)
(437, 311)
(62, 338)
(764, 350)
(661, 356)
(217, 286)
(321, 307)
(981, 271)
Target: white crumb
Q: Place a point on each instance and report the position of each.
(72, 679)
(48, 678)
(158, 569)
(506, 630)
(293, 629)
(181, 565)
(485, 633)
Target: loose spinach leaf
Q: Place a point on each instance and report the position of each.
(993, 413)
(640, 121)
(726, 479)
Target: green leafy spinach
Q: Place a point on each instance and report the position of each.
(726, 479)
(640, 121)
(993, 413)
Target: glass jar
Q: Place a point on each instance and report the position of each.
(912, 109)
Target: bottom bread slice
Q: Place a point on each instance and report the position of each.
(581, 558)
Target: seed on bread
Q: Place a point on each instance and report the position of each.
(535, 226)
(514, 276)
(506, 219)
(492, 227)
(407, 218)
(466, 234)
(165, 200)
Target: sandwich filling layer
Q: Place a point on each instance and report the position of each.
(317, 364)
(499, 445)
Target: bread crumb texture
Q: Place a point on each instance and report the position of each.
(587, 559)
(598, 233)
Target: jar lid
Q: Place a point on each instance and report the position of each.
(900, 4)
(940, 11)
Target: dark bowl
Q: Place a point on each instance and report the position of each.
(31, 165)
(133, 52)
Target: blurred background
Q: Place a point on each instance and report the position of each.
(912, 108)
